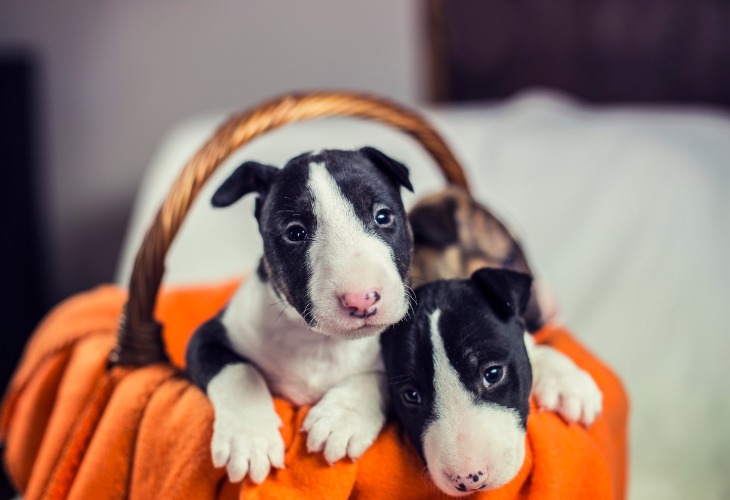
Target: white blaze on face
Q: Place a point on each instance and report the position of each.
(467, 437)
(345, 258)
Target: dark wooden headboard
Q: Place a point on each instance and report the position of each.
(599, 50)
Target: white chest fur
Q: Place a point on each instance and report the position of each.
(298, 363)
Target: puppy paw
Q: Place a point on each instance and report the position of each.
(341, 428)
(246, 438)
(248, 446)
(560, 385)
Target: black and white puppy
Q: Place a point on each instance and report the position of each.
(337, 252)
(460, 372)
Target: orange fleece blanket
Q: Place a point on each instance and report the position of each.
(74, 430)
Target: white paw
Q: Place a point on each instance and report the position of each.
(341, 428)
(560, 385)
(247, 446)
(246, 438)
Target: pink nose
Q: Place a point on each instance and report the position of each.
(361, 305)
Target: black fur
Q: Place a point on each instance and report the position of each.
(208, 352)
(390, 167)
(249, 177)
(507, 291)
(475, 332)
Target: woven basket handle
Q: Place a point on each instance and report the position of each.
(139, 339)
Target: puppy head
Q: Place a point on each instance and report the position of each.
(460, 379)
(336, 240)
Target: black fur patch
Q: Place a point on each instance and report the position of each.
(390, 167)
(288, 201)
(507, 291)
(249, 177)
(261, 271)
(408, 357)
(208, 352)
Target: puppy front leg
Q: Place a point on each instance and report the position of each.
(246, 438)
(559, 385)
(348, 418)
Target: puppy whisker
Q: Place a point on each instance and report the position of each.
(417, 280)
(399, 380)
(410, 293)
(308, 314)
(283, 310)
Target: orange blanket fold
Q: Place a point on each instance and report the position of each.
(72, 429)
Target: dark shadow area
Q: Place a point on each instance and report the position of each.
(22, 290)
(26, 292)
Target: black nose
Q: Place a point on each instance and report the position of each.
(469, 482)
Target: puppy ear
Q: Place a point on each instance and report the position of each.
(393, 169)
(435, 224)
(508, 292)
(249, 177)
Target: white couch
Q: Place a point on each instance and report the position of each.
(624, 211)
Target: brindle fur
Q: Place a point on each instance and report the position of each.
(454, 236)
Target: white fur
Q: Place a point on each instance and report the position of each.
(246, 438)
(345, 377)
(559, 385)
(465, 437)
(298, 364)
(348, 418)
(363, 263)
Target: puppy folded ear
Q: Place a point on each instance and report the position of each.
(435, 224)
(508, 292)
(249, 177)
(390, 167)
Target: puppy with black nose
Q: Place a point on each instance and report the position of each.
(460, 377)
(462, 368)
(304, 327)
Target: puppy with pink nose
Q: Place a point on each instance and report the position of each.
(304, 326)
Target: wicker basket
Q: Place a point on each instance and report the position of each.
(140, 339)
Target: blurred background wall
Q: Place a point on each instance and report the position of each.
(113, 77)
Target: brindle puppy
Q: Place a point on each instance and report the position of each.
(454, 236)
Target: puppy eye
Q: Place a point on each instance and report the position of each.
(296, 233)
(411, 397)
(493, 375)
(383, 217)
